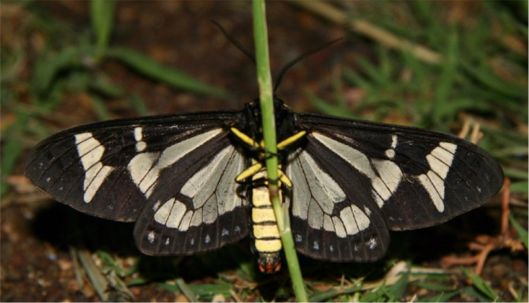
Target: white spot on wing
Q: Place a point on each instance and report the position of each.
(432, 190)
(151, 236)
(451, 147)
(367, 211)
(327, 223)
(196, 220)
(138, 133)
(90, 153)
(354, 219)
(340, 229)
(298, 238)
(372, 243)
(390, 153)
(318, 179)
(162, 214)
(440, 159)
(389, 174)
(393, 141)
(141, 146)
(315, 219)
(389, 178)
(145, 168)
(184, 225)
(177, 213)
(138, 136)
(176, 151)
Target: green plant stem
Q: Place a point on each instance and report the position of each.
(264, 80)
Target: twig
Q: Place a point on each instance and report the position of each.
(484, 244)
(266, 103)
(374, 32)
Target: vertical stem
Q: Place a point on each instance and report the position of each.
(264, 80)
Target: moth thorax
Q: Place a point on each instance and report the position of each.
(265, 230)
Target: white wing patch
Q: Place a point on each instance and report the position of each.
(170, 213)
(212, 190)
(315, 195)
(384, 179)
(390, 152)
(440, 159)
(385, 175)
(354, 219)
(138, 136)
(145, 168)
(90, 153)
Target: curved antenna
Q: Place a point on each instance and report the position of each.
(234, 41)
(283, 71)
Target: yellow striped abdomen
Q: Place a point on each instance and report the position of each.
(264, 227)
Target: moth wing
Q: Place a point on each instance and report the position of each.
(200, 208)
(99, 169)
(417, 178)
(332, 217)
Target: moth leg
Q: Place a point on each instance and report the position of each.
(285, 143)
(249, 172)
(284, 178)
(292, 139)
(244, 137)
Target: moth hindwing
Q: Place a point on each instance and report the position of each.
(345, 183)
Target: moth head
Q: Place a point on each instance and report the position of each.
(269, 263)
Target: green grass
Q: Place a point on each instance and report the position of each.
(70, 67)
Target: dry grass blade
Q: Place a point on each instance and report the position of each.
(376, 33)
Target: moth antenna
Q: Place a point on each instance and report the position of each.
(283, 71)
(234, 41)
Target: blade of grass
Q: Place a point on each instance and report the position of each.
(98, 280)
(12, 148)
(442, 297)
(446, 79)
(329, 109)
(100, 108)
(50, 65)
(519, 187)
(102, 17)
(208, 291)
(522, 232)
(324, 296)
(264, 80)
(481, 285)
(138, 104)
(150, 68)
(186, 290)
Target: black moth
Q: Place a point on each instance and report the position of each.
(351, 181)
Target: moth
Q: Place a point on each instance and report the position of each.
(195, 182)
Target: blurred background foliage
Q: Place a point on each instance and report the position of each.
(436, 65)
